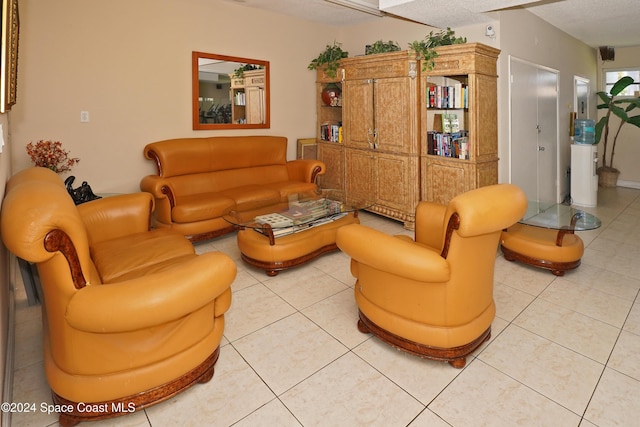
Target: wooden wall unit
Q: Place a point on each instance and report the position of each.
(248, 97)
(383, 156)
(474, 65)
(331, 153)
(380, 130)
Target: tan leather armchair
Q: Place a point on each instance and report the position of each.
(433, 297)
(131, 316)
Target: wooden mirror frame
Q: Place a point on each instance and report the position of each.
(197, 125)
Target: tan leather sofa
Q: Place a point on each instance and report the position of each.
(433, 296)
(130, 316)
(201, 179)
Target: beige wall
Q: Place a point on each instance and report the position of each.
(129, 64)
(628, 146)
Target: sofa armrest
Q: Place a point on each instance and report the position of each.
(117, 216)
(305, 170)
(162, 191)
(153, 299)
(393, 255)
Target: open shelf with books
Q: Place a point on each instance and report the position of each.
(329, 128)
(459, 131)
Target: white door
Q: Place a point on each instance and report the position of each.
(534, 130)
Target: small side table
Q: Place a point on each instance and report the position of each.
(545, 237)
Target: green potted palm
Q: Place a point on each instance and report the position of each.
(608, 132)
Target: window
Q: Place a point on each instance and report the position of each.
(612, 76)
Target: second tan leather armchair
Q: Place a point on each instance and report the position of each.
(433, 296)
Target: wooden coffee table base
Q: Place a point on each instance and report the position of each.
(275, 255)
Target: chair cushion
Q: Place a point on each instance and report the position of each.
(252, 196)
(200, 207)
(126, 256)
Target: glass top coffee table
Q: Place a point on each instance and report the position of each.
(294, 231)
(545, 237)
(558, 217)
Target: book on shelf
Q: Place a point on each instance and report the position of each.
(331, 131)
(455, 96)
(449, 123)
(448, 144)
(239, 98)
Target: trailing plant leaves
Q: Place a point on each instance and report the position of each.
(329, 59)
(425, 49)
(239, 72)
(382, 47)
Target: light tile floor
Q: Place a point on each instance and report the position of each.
(564, 352)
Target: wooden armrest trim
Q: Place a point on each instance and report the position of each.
(454, 224)
(58, 240)
(167, 191)
(153, 156)
(314, 173)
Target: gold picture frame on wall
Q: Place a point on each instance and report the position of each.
(9, 57)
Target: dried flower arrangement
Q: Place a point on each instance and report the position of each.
(50, 154)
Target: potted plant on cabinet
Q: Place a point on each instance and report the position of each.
(329, 59)
(425, 49)
(619, 107)
(381, 47)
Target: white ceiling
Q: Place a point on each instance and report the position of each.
(595, 22)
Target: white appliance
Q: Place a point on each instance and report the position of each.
(584, 179)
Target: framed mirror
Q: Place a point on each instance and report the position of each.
(229, 92)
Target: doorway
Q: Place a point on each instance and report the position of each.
(533, 95)
(581, 97)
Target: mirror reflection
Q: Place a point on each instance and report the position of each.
(229, 92)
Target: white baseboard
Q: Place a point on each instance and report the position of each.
(628, 184)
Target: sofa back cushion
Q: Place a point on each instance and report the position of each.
(186, 156)
(198, 183)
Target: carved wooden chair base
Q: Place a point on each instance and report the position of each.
(456, 356)
(122, 406)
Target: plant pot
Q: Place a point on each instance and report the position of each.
(608, 177)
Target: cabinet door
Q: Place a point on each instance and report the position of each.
(396, 114)
(397, 182)
(357, 113)
(359, 174)
(332, 155)
(446, 178)
(254, 104)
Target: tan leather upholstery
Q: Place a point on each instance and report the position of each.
(554, 250)
(201, 179)
(127, 312)
(434, 296)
